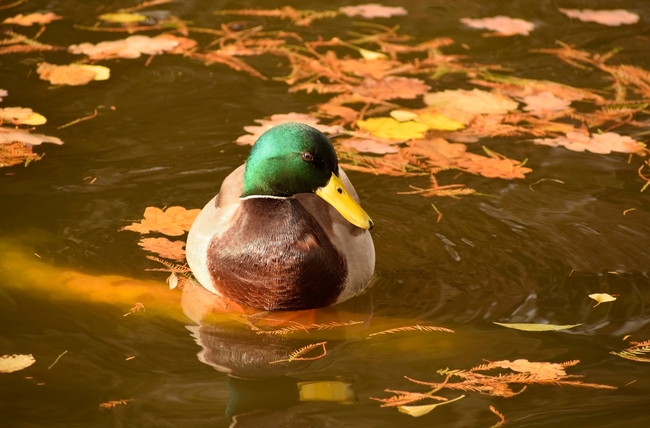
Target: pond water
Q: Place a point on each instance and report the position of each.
(526, 251)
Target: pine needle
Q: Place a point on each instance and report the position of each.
(416, 327)
(500, 415)
(296, 355)
(305, 328)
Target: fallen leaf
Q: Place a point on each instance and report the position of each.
(368, 146)
(403, 115)
(596, 143)
(184, 45)
(73, 74)
(164, 247)
(392, 87)
(131, 47)
(13, 363)
(373, 10)
(475, 101)
(541, 103)
(439, 122)
(10, 135)
(374, 69)
(501, 25)
(276, 119)
(16, 153)
(602, 298)
(541, 370)
(174, 221)
(387, 127)
(3, 93)
(123, 18)
(21, 116)
(32, 18)
(417, 411)
(536, 327)
(613, 18)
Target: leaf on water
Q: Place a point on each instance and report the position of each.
(596, 143)
(541, 370)
(439, 122)
(174, 221)
(475, 101)
(15, 153)
(137, 307)
(416, 327)
(392, 87)
(131, 47)
(16, 362)
(10, 135)
(123, 18)
(387, 127)
(368, 146)
(403, 115)
(73, 74)
(537, 327)
(501, 25)
(613, 18)
(373, 69)
(602, 298)
(32, 18)
(541, 103)
(112, 403)
(164, 247)
(417, 411)
(276, 119)
(373, 10)
(635, 352)
(184, 45)
(21, 116)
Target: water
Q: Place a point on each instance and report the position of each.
(517, 256)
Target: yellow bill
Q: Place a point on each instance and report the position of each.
(336, 195)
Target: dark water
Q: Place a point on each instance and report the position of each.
(505, 257)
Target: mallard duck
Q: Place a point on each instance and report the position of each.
(286, 231)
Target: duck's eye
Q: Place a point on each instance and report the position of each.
(307, 157)
(338, 189)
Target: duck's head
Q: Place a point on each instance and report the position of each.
(293, 158)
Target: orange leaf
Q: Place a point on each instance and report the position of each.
(173, 222)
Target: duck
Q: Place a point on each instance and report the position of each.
(286, 232)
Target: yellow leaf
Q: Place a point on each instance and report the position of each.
(403, 115)
(417, 411)
(13, 363)
(602, 298)
(387, 127)
(372, 55)
(439, 122)
(123, 18)
(35, 119)
(475, 101)
(101, 72)
(536, 327)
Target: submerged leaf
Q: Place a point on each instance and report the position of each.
(536, 327)
(417, 411)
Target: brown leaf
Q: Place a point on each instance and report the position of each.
(164, 247)
(543, 102)
(174, 221)
(374, 69)
(32, 18)
(368, 146)
(392, 87)
(596, 143)
(613, 18)
(501, 25)
(184, 45)
(131, 47)
(276, 119)
(16, 153)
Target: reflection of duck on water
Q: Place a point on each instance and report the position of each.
(261, 384)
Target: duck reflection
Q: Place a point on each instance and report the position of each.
(255, 349)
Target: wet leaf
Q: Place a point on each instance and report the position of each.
(439, 122)
(21, 116)
(387, 127)
(73, 74)
(131, 47)
(15, 153)
(375, 69)
(368, 146)
(536, 327)
(541, 103)
(417, 411)
(393, 87)
(613, 18)
(123, 18)
(403, 115)
(9, 135)
(541, 370)
(501, 25)
(602, 298)
(16, 362)
(276, 119)
(596, 143)
(164, 247)
(174, 221)
(475, 101)
(372, 10)
(32, 18)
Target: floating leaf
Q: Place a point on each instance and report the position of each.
(543, 102)
(73, 74)
(368, 146)
(613, 18)
(417, 411)
(13, 363)
(164, 247)
(439, 122)
(536, 327)
(475, 101)
(277, 119)
(387, 127)
(32, 18)
(123, 18)
(392, 87)
(174, 221)
(372, 10)
(602, 298)
(15, 153)
(501, 25)
(596, 143)
(131, 47)
(403, 115)
(21, 116)
(10, 135)
(635, 352)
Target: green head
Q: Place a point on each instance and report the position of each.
(287, 159)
